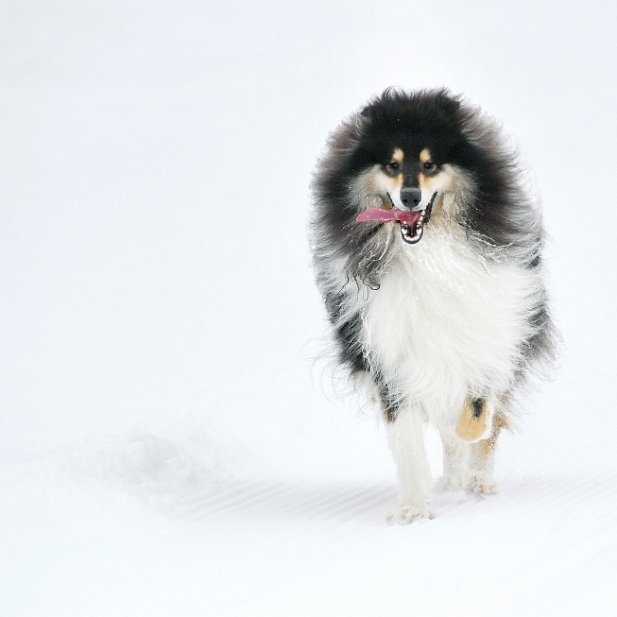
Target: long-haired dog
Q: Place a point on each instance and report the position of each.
(427, 251)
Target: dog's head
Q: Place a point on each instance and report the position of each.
(410, 151)
(405, 154)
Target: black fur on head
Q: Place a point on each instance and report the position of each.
(499, 212)
(430, 118)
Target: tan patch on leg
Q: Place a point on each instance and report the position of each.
(472, 426)
(485, 448)
(482, 457)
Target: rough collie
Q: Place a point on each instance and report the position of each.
(428, 253)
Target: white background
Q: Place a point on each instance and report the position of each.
(168, 446)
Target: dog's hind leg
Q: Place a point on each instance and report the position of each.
(482, 459)
(405, 431)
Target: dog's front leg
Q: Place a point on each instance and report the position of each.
(406, 440)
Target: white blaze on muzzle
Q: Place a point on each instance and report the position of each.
(412, 200)
(402, 199)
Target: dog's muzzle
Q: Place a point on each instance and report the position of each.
(411, 197)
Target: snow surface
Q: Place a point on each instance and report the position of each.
(168, 444)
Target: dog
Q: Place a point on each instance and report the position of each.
(427, 250)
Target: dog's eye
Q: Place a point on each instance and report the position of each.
(394, 165)
(429, 166)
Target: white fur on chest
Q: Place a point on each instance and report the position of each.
(447, 323)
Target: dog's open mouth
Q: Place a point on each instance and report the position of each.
(412, 232)
(412, 222)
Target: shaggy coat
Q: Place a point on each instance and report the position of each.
(454, 322)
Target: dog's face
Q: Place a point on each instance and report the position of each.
(409, 158)
(407, 176)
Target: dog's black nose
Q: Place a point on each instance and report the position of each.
(411, 197)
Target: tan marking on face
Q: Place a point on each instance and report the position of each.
(398, 155)
(425, 155)
(443, 182)
(393, 185)
(430, 184)
(426, 182)
(376, 184)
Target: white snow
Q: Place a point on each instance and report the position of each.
(167, 444)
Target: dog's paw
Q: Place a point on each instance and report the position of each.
(481, 483)
(405, 514)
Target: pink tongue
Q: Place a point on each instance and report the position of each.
(387, 216)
